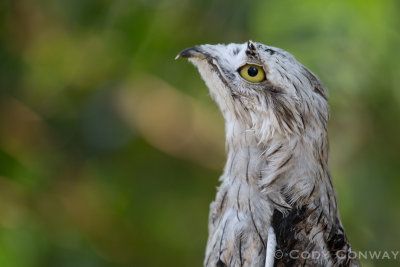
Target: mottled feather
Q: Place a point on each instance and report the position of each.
(276, 193)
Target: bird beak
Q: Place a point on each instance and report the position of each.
(190, 52)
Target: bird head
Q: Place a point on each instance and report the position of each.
(263, 88)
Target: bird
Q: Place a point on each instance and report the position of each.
(276, 204)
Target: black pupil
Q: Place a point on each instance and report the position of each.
(252, 71)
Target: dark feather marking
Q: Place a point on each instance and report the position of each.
(280, 73)
(286, 161)
(287, 78)
(312, 191)
(223, 200)
(220, 244)
(230, 76)
(208, 259)
(323, 120)
(258, 99)
(222, 236)
(282, 112)
(280, 65)
(278, 114)
(217, 70)
(312, 238)
(270, 51)
(220, 263)
(289, 124)
(260, 251)
(247, 166)
(298, 80)
(274, 89)
(288, 114)
(313, 210)
(321, 163)
(250, 53)
(302, 121)
(318, 90)
(233, 160)
(215, 245)
(243, 105)
(311, 247)
(308, 107)
(275, 151)
(311, 78)
(330, 179)
(240, 249)
(295, 87)
(250, 46)
(317, 86)
(254, 224)
(237, 197)
(329, 205)
(320, 217)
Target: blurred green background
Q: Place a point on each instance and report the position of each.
(110, 150)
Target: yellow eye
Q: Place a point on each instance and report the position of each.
(252, 73)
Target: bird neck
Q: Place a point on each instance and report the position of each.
(243, 154)
(290, 170)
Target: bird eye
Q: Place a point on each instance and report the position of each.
(252, 73)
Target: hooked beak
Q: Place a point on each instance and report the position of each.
(194, 51)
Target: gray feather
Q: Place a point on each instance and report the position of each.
(276, 191)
